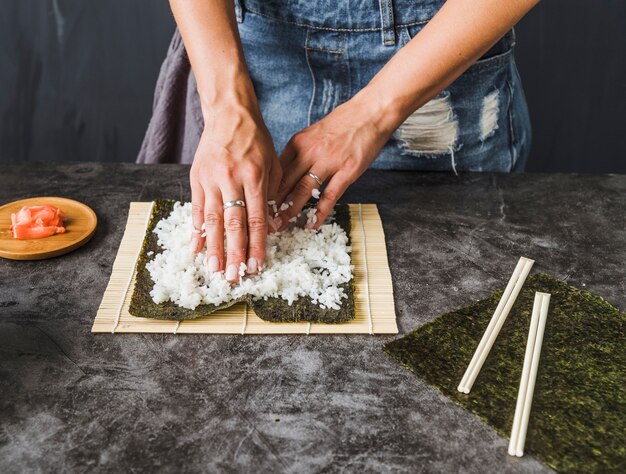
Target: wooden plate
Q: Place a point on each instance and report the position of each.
(80, 224)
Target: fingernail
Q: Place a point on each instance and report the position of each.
(231, 272)
(214, 263)
(252, 265)
(277, 222)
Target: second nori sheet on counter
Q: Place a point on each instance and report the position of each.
(578, 416)
(274, 309)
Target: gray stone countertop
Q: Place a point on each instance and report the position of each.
(72, 401)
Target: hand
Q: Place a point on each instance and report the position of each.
(235, 160)
(337, 149)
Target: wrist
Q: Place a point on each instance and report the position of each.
(380, 108)
(230, 88)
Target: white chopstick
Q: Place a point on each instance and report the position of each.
(529, 374)
(522, 269)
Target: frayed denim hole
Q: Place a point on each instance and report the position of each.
(489, 112)
(430, 130)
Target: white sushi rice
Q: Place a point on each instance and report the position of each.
(311, 218)
(298, 263)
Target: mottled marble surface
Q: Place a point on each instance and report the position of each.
(72, 401)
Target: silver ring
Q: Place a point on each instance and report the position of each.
(236, 203)
(316, 178)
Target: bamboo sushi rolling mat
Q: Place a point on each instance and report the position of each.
(373, 292)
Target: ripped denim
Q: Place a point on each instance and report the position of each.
(306, 58)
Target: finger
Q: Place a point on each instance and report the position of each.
(332, 192)
(289, 152)
(292, 173)
(236, 234)
(276, 174)
(300, 195)
(197, 210)
(214, 230)
(256, 211)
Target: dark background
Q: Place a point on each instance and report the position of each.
(77, 78)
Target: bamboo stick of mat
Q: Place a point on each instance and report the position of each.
(529, 374)
(374, 305)
(522, 269)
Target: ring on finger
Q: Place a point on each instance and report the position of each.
(316, 178)
(235, 203)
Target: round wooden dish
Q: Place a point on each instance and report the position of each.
(79, 221)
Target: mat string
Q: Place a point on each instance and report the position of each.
(367, 284)
(130, 278)
(245, 319)
(176, 327)
(308, 329)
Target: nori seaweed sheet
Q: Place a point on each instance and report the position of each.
(273, 309)
(578, 417)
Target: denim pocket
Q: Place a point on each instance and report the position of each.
(469, 121)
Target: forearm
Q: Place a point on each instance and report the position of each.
(235, 159)
(209, 31)
(460, 33)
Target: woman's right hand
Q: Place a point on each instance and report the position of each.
(235, 160)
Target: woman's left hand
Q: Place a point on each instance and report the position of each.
(337, 149)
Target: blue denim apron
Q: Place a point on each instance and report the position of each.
(306, 57)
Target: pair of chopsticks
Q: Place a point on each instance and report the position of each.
(531, 358)
(497, 321)
(529, 374)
